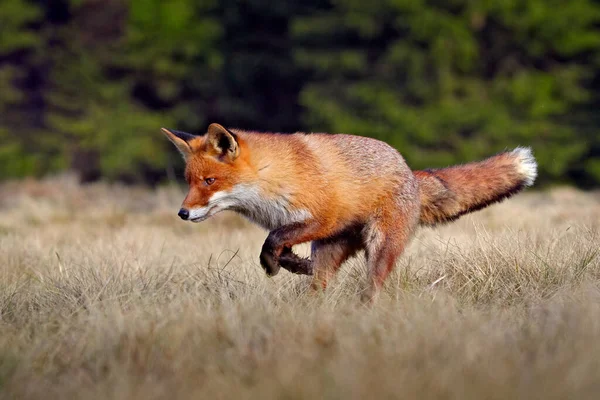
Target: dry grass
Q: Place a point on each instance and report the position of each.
(104, 293)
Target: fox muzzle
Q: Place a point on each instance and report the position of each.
(184, 214)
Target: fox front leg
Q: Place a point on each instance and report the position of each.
(287, 260)
(295, 264)
(277, 249)
(269, 259)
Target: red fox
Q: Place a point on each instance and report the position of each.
(341, 192)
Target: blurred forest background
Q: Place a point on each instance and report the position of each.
(85, 85)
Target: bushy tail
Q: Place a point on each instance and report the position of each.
(448, 193)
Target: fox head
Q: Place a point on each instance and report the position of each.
(215, 171)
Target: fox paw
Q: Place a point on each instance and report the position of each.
(269, 263)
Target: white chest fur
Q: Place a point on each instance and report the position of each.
(269, 212)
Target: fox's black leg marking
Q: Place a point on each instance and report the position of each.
(294, 263)
(287, 260)
(269, 261)
(277, 249)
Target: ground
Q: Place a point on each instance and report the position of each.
(105, 293)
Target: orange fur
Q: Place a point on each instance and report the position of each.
(344, 193)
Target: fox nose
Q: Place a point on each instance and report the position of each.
(183, 214)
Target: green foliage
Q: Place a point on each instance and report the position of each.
(17, 39)
(87, 84)
(449, 81)
(15, 16)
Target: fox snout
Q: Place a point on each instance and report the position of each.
(197, 214)
(184, 214)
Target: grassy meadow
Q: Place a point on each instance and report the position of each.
(106, 294)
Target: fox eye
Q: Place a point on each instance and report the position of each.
(209, 181)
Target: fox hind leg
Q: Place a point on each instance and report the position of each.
(329, 254)
(385, 241)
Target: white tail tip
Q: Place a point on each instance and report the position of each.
(526, 164)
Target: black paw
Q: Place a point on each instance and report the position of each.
(269, 263)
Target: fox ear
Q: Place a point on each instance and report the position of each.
(180, 140)
(223, 142)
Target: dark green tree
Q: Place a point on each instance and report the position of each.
(116, 84)
(19, 45)
(86, 84)
(449, 81)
